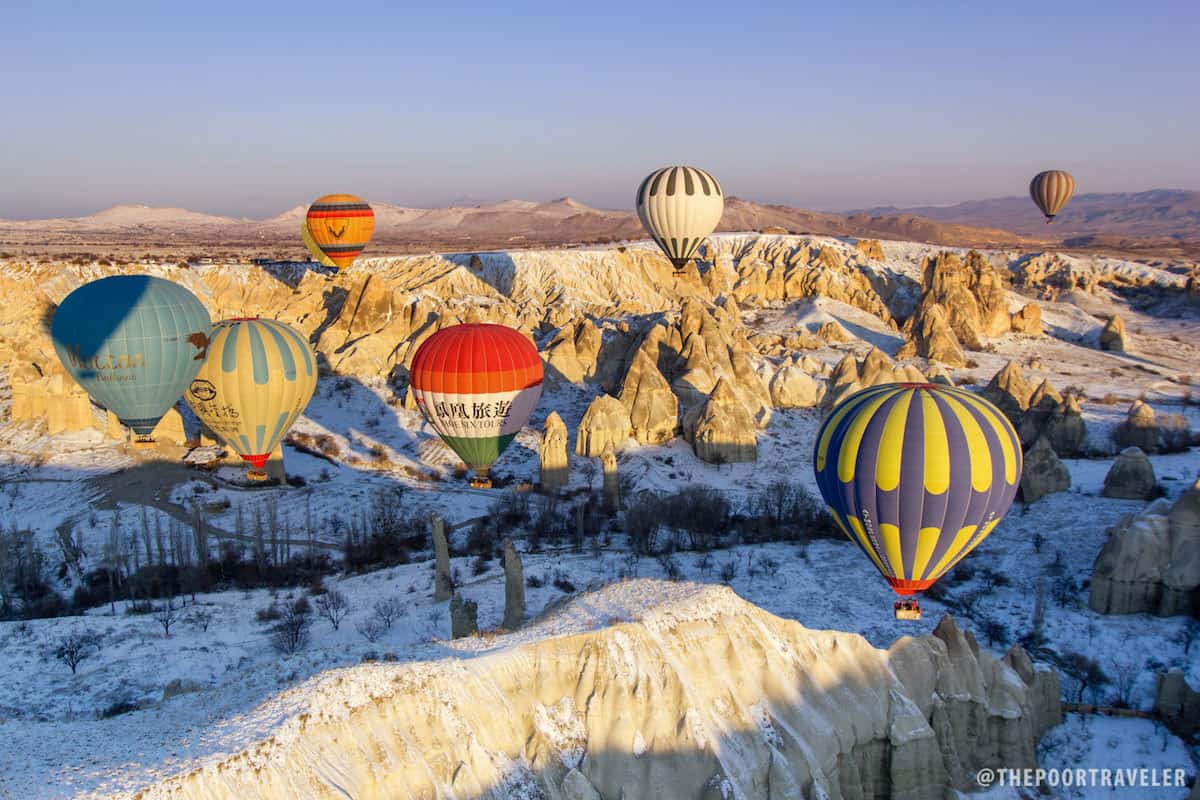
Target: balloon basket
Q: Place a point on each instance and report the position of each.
(907, 609)
(143, 442)
(256, 475)
(481, 482)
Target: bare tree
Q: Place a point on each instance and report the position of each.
(334, 606)
(165, 614)
(370, 629)
(72, 648)
(1085, 672)
(388, 610)
(1124, 676)
(200, 618)
(290, 634)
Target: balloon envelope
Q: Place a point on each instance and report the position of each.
(916, 475)
(477, 384)
(133, 342)
(680, 207)
(1051, 190)
(311, 245)
(341, 225)
(258, 377)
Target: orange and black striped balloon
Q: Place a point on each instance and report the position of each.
(1051, 190)
(341, 225)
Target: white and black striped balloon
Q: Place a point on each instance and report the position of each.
(1051, 190)
(680, 207)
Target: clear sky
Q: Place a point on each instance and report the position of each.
(248, 108)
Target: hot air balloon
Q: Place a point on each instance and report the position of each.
(680, 207)
(917, 475)
(341, 226)
(477, 384)
(1051, 190)
(258, 377)
(133, 342)
(321, 258)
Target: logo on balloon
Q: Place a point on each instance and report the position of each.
(202, 390)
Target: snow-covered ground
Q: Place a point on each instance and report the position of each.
(55, 740)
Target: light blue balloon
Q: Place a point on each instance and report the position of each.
(133, 342)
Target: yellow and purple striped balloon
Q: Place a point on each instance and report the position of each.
(917, 475)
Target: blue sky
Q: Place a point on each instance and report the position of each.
(251, 108)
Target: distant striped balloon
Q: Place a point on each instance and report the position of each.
(477, 384)
(133, 342)
(311, 246)
(1051, 190)
(258, 377)
(917, 475)
(680, 207)
(341, 225)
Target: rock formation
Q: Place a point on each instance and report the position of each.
(443, 586)
(1028, 320)
(464, 617)
(1112, 335)
(792, 387)
(652, 406)
(612, 480)
(1139, 429)
(743, 701)
(1010, 392)
(1151, 561)
(605, 422)
(553, 461)
(1131, 477)
(514, 587)
(971, 294)
(1043, 473)
(721, 430)
(870, 248)
(932, 338)
(56, 398)
(833, 333)
(1177, 704)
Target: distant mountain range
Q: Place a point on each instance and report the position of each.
(1128, 221)
(1159, 213)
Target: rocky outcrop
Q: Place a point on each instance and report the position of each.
(1010, 391)
(833, 333)
(970, 292)
(605, 422)
(870, 248)
(652, 406)
(1112, 335)
(1150, 562)
(1043, 473)
(931, 337)
(514, 587)
(742, 701)
(721, 430)
(1139, 429)
(1058, 418)
(1028, 320)
(464, 617)
(553, 462)
(56, 398)
(1131, 477)
(443, 584)
(792, 387)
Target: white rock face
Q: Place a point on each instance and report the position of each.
(718, 692)
(606, 422)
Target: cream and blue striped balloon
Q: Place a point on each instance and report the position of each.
(257, 379)
(917, 475)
